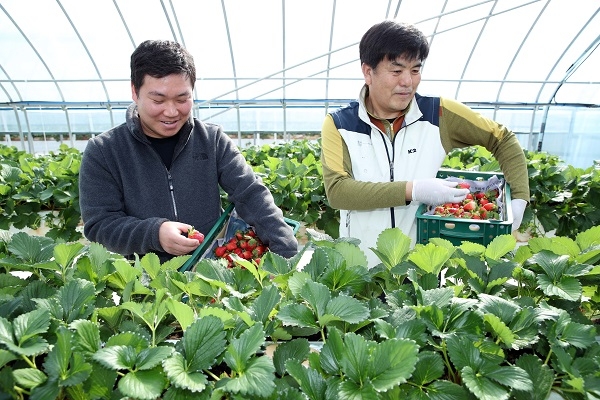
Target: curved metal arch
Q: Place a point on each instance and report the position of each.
(39, 56)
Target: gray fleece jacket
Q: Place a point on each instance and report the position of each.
(126, 192)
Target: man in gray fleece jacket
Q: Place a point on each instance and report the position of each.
(144, 183)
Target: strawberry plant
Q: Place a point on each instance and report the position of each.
(433, 321)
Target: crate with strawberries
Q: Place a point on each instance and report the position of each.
(484, 214)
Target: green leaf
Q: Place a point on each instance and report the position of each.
(276, 264)
(31, 324)
(29, 378)
(240, 350)
(24, 338)
(499, 329)
(146, 385)
(500, 246)
(347, 309)
(541, 376)
(77, 299)
(355, 363)
(152, 356)
(568, 288)
(429, 367)
(202, 343)
(393, 363)
(554, 266)
(511, 376)
(32, 249)
(6, 357)
(502, 308)
(317, 295)
(86, 337)
(183, 313)
(64, 365)
(483, 387)
(352, 254)
(65, 253)
(296, 349)
(311, 383)
(297, 315)
(332, 353)
(463, 353)
(441, 297)
(181, 376)
(445, 390)
(392, 246)
(257, 379)
(264, 304)
(345, 278)
(430, 258)
(117, 357)
(589, 238)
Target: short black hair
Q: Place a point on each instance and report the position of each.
(392, 39)
(160, 58)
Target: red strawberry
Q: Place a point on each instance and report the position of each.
(231, 246)
(470, 206)
(220, 251)
(489, 206)
(247, 254)
(464, 185)
(194, 234)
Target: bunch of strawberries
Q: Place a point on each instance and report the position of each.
(245, 244)
(476, 205)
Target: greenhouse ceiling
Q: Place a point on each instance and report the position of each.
(73, 53)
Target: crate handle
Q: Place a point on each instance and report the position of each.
(461, 235)
(472, 227)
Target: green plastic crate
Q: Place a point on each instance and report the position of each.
(209, 240)
(457, 230)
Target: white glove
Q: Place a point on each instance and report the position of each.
(518, 208)
(435, 191)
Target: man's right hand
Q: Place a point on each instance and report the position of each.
(435, 191)
(173, 238)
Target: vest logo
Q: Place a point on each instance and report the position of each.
(410, 151)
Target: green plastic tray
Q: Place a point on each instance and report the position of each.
(211, 236)
(457, 230)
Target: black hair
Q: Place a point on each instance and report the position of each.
(160, 58)
(392, 39)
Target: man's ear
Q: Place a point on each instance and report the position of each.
(367, 72)
(134, 95)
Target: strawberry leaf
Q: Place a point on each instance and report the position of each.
(483, 387)
(257, 379)
(430, 258)
(146, 385)
(393, 363)
(68, 368)
(541, 376)
(202, 343)
(311, 382)
(429, 367)
(241, 349)
(392, 247)
(264, 304)
(297, 315)
(347, 309)
(296, 349)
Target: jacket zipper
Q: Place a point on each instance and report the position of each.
(171, 190)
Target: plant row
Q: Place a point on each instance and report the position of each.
(437, 321)
(564, 199)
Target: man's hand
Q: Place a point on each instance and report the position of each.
(172, 240)
(518, 209)
(435, 191)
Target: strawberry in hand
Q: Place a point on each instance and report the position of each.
(194, 234)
